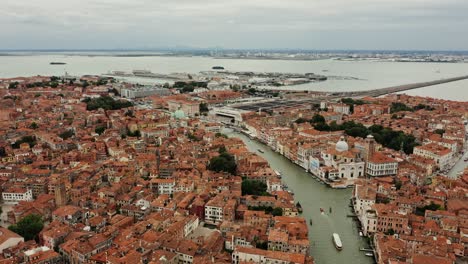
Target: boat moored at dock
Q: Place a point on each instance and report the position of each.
(278, 174)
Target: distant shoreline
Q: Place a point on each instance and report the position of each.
(332, 57)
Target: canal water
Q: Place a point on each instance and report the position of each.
(313, 195)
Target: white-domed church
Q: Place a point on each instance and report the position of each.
(339, 163)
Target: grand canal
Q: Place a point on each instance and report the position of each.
(313, 195)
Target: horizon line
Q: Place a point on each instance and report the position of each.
(226, 49)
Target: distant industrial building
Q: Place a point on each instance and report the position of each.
(137, 92)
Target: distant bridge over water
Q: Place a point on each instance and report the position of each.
(320, 96)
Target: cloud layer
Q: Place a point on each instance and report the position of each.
(306, 24)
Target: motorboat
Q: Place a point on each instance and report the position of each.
(337, 241)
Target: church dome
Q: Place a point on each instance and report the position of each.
(179, 114)
(341, 145)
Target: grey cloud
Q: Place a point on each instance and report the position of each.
(310, 24)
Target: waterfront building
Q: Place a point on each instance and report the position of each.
(390, 218)
(440, 154)
(380, 165)
(338, 164)
(255, 255)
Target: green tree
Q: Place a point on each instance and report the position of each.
(13, 85)
(222, 149)
(28, 227)
(390, 232)
(300, 120)
(224, 162)
(33, 125)
(398, 107)
(262, 245)
(204, 107)
(277, 211)
(85, 84)
(26, 139)
(192, 137)
(67, 134)
(100, 129)
(218, 134)
(252, 91)
(106, 103)
(422, 210)
(136, 133)
(389, 138)
(54, 84)
(254, 187)
(317, 119)
(102, 81)
(423, 106)
(440, 131)
(398, 184)
(2, 154)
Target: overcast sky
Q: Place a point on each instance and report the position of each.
(268, 24)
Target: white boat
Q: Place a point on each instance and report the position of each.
(337, 241)
(277, 173)
(369, 254)
(360, 233)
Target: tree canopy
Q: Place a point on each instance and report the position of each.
(204, 107)
(26, 139)
(67, 134)
(253, 187)
(224, 162)
(28, 227)
(389, 138)
(422, 210)
(100, 129)
(398, 107)
(106, 103)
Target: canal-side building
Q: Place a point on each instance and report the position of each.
(255, 255)
(364, 198)
(338, 164)
(389, 218)
(380, 165)
(440, 154)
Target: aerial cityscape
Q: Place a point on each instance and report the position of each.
(234, 132)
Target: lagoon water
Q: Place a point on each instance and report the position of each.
(370, 74)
